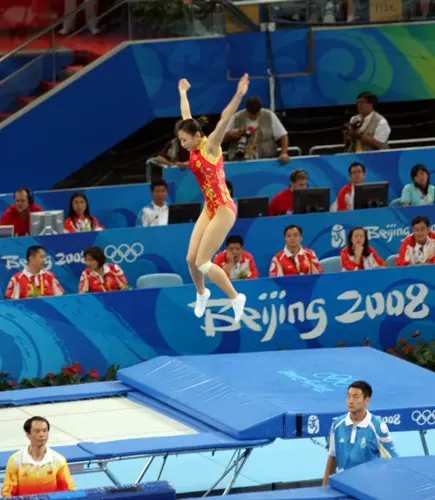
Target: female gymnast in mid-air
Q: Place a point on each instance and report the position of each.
(219, 213)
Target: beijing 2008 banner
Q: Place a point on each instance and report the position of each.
(41, 335)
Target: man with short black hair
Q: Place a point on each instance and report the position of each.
(419, 247)
(235, 260)
(36, 469)
(34, 280)
(368, 130)
(345, 197)
(358, 436)
(157, 212)
(294, 258)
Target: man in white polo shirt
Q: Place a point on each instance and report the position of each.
(157, 212)
(358, 436)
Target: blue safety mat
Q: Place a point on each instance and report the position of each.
(175, 382)
(62, 393)
(317, 493)
(169, 444)
(285, 393)
(394, 479)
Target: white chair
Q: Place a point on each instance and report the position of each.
(159, 280)
(331, 264)
(391, 261)
(396, 202)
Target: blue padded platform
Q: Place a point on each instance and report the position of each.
(72, 454)
(205, 396)
(397, 478)
(284, 393)
(317, 493)
(62, 393)
(170, 444)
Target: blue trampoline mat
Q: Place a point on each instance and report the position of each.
(317, 493)
(410, 478)
(260, 395)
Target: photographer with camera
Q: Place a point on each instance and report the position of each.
(253, 132)
(368, 130)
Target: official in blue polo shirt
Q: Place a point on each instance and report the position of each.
(358, 436)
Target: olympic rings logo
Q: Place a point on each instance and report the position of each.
(124, 252)
(335, 379)
(425, 417)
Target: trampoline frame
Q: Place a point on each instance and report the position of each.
(234, 467)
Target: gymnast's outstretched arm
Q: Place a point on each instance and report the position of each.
(217, 136)
(183, 87)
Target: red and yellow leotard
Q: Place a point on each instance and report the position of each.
(209, 172)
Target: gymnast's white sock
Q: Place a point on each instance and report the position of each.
(238, 306)
(201, 303)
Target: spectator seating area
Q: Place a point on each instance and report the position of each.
(143, 251)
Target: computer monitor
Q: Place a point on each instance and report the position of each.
(6, 231)
(43, 223)
(371, 195)
(183, 212)
(252, 207)
(311, 200)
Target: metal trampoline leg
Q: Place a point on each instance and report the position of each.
(424, 442)
(233, 464)
(238, 469)
(144, 470)
(109, 474)
(162, 467)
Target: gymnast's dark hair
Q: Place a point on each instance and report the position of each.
(366, 250)
(192, 126)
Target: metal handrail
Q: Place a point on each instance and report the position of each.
(43, 32)
(313, 150)
(55, 46)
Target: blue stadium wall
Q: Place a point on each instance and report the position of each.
(137, 82)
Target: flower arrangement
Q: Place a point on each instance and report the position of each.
(420, 353)
(72, 374)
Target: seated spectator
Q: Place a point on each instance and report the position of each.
(157, 212)
(358, 254)
(33, 280)
(253, 133)
(237, 263)
(420, 191)
(294, 259)
(368, 130)
(79, 216)
(344, 201)
(172, 155)
(18, 214)
(419, 247)
(100, 276)
(282, 202)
